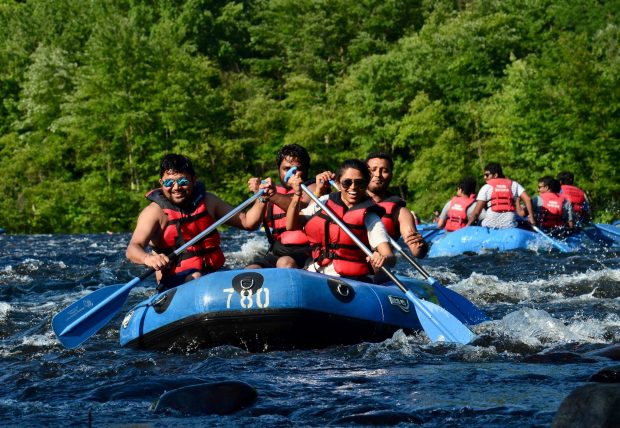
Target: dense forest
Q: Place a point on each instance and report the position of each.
(95, 92)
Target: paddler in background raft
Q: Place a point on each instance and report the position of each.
(554, 213)
(576, 196)
(287, 248)
(398, 220)
(333, 251)
(457, 211)
(179, 210)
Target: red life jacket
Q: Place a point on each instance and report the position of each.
(275, 224)
(457, 214)
(550, 214)
(575, 196)
(502, 199)
(183, 225)
(392, 205)
(329, 242)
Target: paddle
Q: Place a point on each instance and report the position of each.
(83, 318)
(439, 324)
(456, 304)
(557, 244)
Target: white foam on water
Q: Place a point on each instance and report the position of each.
(5, 308)
(536, 327)
(9, 275)
(40, 340)
(489, 288)
(250, 249)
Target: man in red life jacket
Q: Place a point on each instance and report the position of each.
(179, 210)
(502, 199)
(576, 196)
(398, 220)
(287, 248)
(457, 210)
(553, 211)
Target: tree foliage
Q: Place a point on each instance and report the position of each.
(94, 93)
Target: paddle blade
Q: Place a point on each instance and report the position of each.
(83, 318)
(439, 324)
(464, 310)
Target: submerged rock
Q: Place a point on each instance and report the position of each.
(607, 375)
(590, 406)
(612, 352)
(558, 358)
(218, 398)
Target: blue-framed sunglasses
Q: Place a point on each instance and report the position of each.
(181, 182)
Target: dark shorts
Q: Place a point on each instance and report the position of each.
(299, 253)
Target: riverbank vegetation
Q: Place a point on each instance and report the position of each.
(95, 92)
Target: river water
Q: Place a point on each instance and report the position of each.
(550, 313)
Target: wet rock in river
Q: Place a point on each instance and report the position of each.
(589, 406)
(218, 398)
(607, 375)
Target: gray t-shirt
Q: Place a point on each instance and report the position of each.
(499, 220)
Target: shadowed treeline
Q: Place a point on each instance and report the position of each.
(93, 93)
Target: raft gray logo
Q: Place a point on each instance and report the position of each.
(401, 302)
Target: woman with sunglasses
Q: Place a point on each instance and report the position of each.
(333, 251)
(180, 209)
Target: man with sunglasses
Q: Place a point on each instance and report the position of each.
(179, 210)
(398, 220)
(502, 198)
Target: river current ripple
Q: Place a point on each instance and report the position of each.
(551, 312)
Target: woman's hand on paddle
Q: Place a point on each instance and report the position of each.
(322, 182)
(376, 261)
(156, 261)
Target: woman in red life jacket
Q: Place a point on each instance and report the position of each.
(456, 211)
(287, 248)
(333, 251)
(398, 220)
(552, 210)
(576, 196)
(501, 197)
(179, 210)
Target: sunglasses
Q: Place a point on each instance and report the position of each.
(181, 182)
(486, 174)
(358, 182)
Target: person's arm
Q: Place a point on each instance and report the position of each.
(249, 220)
(568, 214)
(147, 229)
(530, 208)
(443, 217)
(293, 219)
(416, 243)
(378, 239)
(479, 207)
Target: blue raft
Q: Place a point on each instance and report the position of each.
(481, 240)
(268, 309)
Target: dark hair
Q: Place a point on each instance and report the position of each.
(494, 168)
(468, 185)
(566, 177)
(294, 151)
(176, 163)
(554, 185)
(355, 164)
(381, 155)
